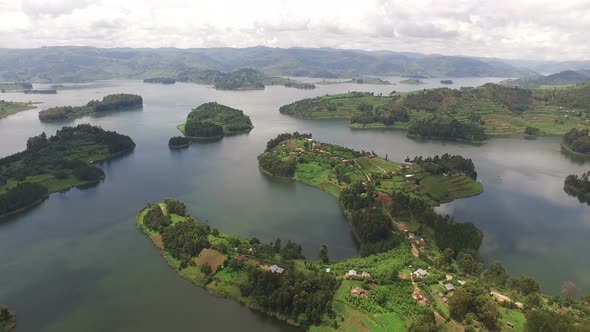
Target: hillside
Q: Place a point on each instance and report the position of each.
(82, 64)
(215, 120)
(469, 115)
(562, 78)
(110, 103)
(52, 164)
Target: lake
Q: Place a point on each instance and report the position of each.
(77, 262)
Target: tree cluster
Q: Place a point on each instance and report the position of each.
(21, 196)
(178, 141)
(185, 240)
(114, 102)
(441, 127)
(578, 186)
(578, 140)
(271, 144)
(474, 298)
(155, 219)
(446, 164)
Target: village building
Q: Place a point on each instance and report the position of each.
(276, 269)
(328, 270)
(449, 288)
(357, 291)
(365, 275)
(420, 273)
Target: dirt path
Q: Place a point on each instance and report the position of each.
(502, 298)
(415, 251)
(362, 170)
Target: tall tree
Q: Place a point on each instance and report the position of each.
(324, 254)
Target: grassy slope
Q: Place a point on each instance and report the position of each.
(551, 119)
(317, 172)
(7, 108)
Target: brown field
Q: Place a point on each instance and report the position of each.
(211, 257)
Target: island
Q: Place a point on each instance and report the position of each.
(7, 320)
(242, 79)
(178, 142)
(412, 81)
(41, 92)
(160, 80)
(466, 114)
(367, 184)
(577, 142)
(578, 186)
(8, 107)
(57, 163)
(447, 82)
(213, 120)
(357, 80)
(110, 103)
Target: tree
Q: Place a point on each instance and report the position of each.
(468, 264)
(277, 245)
(460, 303)
(528, 285)
(496, 275)
(547, 321)
(569, 290)
(324, 254)
(4, 314)
(487, 311)
(425, 323)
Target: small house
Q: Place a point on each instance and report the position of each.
(276, 269)
(420, 273)
(328, 270)
(350, 274)
(357, 291)
(449, 287)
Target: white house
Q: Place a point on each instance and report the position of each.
(276, 269)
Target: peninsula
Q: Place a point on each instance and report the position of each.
(578, 186)
(242, 79)
(110, 103)
(412, 81)
(8, 107)
(213, 120)
(57, 163)
(467, 114)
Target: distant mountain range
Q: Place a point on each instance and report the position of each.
(81, 64)
(561, 78)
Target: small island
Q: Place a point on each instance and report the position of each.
(577, 141)
(160, 80)
(447, 82)
(110, 103)
(357, 80)
(578, 186)
(213, 120)
(241, 79)
(412, 81)
(178, 142)
(57, 163)
(8, 107)
(7, 320)
(41, 92)
(15, 86)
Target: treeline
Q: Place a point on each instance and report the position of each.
(430, 101)
(578, 140)
(114, 102)
(178, 141)
(578, 186)
(386, 115)
(196, 128)
(271, 144)
(277, 166)
(161, 80)
(304, 298)
(439, 127)
(516, 99)
(243, 79)
(446, 164)
(21, 196)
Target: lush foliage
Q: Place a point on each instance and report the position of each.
(185, 240)
(578, 140)
(155, 219)
(213, 120)
(447, 164)
(447, 128)
(115, 102)
(578, 186)
(161, 80)
(178, 141)
(23, 195)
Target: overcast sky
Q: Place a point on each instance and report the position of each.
(537, 29)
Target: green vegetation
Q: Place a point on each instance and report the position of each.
(363, 181)
(178, 142)
(532, 131)
(567, 77)
(109, 103)
(357, 80)
(466, 114)
(242, 79)
(577, 141)
(56, 163)
(160, 80)
(215, 120)
(412, 81)
(447, 82)
(379, 292)
(578, 186)
(41, 92)
(7, 320)
(8, 107)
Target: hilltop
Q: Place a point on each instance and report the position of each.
(470, 114)
(52, 164)
(215, 120)
(83, 64)
(567, 77)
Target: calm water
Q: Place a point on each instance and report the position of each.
(77, 262)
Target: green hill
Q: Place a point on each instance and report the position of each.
(215, 120)
(110, 103)
(471, 114)
(52, 164)
(567, 77)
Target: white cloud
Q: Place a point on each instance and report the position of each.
(504, 28)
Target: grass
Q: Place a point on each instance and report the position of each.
(7, 107)
(513, 316)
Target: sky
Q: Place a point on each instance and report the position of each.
(509, 29)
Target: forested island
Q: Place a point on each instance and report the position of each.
(9, 107)
(578, 186)
(178, 142)
(447, 82)
(363, 181)
(242, 79)
(466, 114)
(357, 80)
(412, 81)
(412, 286)
(160, 80)
(110, 103)
(56, 163)
(41, 92)
(213, 120)
(577, 141)
(7, 320)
